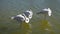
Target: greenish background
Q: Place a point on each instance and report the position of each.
(10, 8)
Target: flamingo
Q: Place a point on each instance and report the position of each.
(45, 11)
(25, 17)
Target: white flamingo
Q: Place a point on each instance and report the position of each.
(46, 11)
(18, 17)
(21, 18)
(26, 16)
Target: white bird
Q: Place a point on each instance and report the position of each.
(28, 13)
(46, 11)
(49, 11)
(18, 17)
(26, 16)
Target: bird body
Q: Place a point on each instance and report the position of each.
(18, 17)
(48, 11)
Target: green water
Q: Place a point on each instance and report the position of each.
(50, 25)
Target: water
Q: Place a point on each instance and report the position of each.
(10, 8)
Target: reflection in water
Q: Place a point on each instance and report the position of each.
(45, 27)
(25, 28)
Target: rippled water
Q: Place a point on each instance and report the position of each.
(10, 8)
